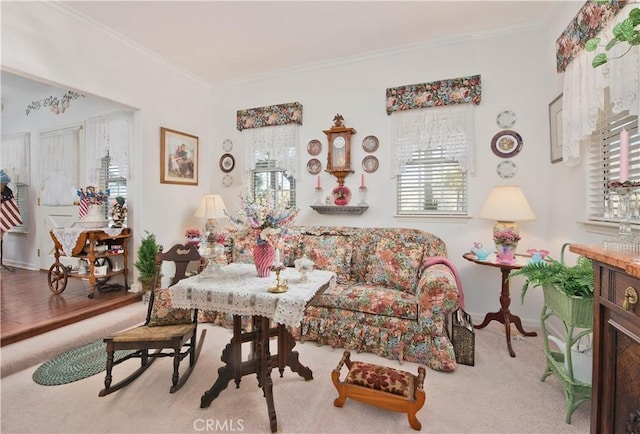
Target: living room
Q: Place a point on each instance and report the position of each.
(518, 70)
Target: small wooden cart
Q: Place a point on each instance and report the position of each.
(87, 247)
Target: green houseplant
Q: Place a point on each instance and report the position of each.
(146, 260)
(624, 32)
(568, 290)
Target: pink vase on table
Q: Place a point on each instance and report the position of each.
(263, 256)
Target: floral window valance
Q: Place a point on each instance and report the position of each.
(281, 114)
(588, 22)
(434, 94)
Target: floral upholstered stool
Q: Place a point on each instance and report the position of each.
(381, 386)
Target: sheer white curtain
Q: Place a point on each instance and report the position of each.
(448, 127)
(583, 90)
(110, 134)
(15, 157)
(278, 143)
(59, 152)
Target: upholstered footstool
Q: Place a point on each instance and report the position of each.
(381, 386)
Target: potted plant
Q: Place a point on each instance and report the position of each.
(146, 261)
(568, 290)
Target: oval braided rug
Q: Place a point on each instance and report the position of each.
(76, 364)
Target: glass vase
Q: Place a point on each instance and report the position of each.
(625, 240)
(263, 257)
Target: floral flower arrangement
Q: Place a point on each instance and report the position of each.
(263, 219)
(193, 233)
(90, 195)
(506, 237)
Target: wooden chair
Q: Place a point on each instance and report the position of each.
(179, 339)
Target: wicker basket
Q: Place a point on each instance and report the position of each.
(577, 311)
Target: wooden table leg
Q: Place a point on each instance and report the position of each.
(504, 315)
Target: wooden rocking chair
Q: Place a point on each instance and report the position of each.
(175, 332)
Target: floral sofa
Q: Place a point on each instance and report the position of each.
(389, 299)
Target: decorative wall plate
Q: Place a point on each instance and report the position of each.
(370, 143)
(227, 163)
(507, 169)
(227, 180)
(370, 164)
(506, 119)
(227, 145)
(314, 166)
(506, 144)
(314, 147)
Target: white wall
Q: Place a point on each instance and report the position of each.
(511, 66)
(518, 74)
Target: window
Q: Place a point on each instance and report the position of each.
(110, 177)
(266, 176)
(432, 185)
(605, 166)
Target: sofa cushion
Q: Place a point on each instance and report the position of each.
(376, 300)
(163, 313)
(328, 252)
(395, 264)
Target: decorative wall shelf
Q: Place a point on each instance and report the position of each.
(333, 209)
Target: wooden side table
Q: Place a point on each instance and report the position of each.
(504, 315)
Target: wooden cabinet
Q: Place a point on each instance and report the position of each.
(616, 352)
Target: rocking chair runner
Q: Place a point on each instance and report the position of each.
(179, 338)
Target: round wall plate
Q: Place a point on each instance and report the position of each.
(507, 169)
(314, 147)
(227, 145)
(370, 143)
(227, 163)
(227, 180)
(314, 166)
(506, 144)
(506, 119)
(370, 164)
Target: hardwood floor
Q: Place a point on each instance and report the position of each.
(29, 308)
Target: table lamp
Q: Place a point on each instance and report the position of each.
(211, 210)
(507, 205)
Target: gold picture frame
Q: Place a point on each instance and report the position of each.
(178, 157)
(555, 129)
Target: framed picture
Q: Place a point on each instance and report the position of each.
(555, 129)
(178, 157)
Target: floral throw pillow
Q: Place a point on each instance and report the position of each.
(329, 252)
(163, 312)
(395, 264)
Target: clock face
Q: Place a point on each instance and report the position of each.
(339, 142)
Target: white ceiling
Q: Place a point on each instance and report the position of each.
(217, 41)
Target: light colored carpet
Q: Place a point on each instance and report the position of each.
(499, 395)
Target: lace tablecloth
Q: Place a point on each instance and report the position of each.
(68, 237)
(240, 292)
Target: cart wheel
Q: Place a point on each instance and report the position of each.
(57, 278)
(99, 262)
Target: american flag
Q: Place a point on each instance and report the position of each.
(84, 207)
(9, 215)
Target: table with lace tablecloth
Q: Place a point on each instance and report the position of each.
(238, 290)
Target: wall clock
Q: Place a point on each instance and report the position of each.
(506, 144)
(227, 163)
(339, 149)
